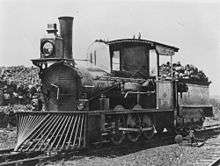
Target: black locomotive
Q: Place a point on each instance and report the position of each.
(115, 96)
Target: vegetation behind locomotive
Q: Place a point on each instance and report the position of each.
(116, 88)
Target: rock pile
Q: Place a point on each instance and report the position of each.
(18, 85)
(19, 90)
(187, 73)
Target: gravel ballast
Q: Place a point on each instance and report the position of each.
(172, 155)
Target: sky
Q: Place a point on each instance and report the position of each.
(191, 25)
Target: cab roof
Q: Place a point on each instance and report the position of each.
(121, 42)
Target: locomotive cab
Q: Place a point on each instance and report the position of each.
(130, 61)
(129, 57)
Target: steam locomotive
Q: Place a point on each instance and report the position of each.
(113, 97)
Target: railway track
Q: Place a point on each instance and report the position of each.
(212, 155)
(9, 157)
(18, 158)
(215, 162)
(212, 146)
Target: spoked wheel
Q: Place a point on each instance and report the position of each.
(159, 128)
(133, 121)
(118, 136)
(148, 127)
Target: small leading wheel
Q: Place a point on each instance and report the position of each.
(148, 127)
(118, 136)
(134, 123)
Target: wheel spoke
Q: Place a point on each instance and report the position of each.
(148, 127)
(133, 121)
(118, 136)
(133, 136)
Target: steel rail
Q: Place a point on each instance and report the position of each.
(215, 163)
(26, 160)
(3, 151)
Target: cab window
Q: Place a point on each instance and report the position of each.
(116, 61)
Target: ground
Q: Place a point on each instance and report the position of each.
(172, 155)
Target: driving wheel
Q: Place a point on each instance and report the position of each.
(148, 127)
(118, 136)
(133, 122)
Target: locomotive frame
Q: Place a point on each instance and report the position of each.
(84, 106)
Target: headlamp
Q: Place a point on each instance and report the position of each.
(47, 48)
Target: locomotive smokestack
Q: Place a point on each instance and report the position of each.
(66, 24)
